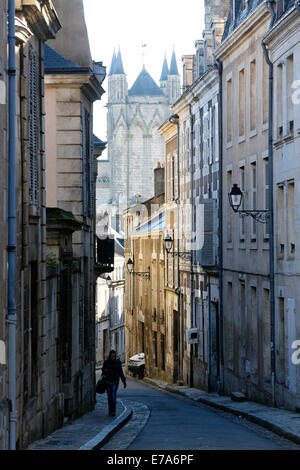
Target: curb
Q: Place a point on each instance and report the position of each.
(109, 431)
(250, 417)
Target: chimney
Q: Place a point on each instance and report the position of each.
(159, 180)
(188, 70)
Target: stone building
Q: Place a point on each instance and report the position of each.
(134, 145)
(146, 329)
(197, 117)
(73, 82)
(245, 242)
(283, 45)
(36, 411)
(4, 408)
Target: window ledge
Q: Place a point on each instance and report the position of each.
(242, 138)
(253, 133)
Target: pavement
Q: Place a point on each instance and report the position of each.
(90, 432)
(282, 422)
(155, 415)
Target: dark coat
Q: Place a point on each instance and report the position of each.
(112, 371)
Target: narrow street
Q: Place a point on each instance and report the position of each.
(176, 423)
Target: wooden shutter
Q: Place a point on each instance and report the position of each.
(33, 127)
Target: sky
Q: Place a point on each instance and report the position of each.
(161, 24)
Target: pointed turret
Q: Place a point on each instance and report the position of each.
(173, 66)
(119, 69)
(113, 63)
(165, 70)
(173, 85)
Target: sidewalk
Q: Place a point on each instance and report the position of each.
(282, 422)
(89, 432)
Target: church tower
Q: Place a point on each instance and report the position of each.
(117, 81)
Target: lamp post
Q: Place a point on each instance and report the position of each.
(130, 267)
(168, 244)
(235, 200)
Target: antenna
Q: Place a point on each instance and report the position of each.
(144, 46)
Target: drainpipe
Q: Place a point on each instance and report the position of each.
(11, 319)
(174, 119)
(220, 228)
(271, 208)
(192, 251)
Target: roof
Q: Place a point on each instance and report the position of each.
(55, 63)
(116, 67)
(156, 224)
(99, 143)
(241, 13)
(145, 86)
(173, 66)
(112, 65)
(165, 71)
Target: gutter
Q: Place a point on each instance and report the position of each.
(194, 235)
(220, 229)
(271, 208)
(11, 318)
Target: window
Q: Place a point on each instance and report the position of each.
(253, 91)
(280, 222)
(229, 111)
(242, 103)
(229, 210)
(279, 101)
(289, 94)
(242, 220)
(253, 198)
(267, 337)
(265, 91)
(291, 220)
(33, 127)
(266, 194)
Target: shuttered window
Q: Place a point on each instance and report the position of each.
(87, 164)
(33, 126)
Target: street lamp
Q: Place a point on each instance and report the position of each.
(168, 244)
(130, 266)
(235, 200)
(109, 282)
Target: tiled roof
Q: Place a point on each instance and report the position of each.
(145, 86)
(173, 66)
(241, 13)
(54, 62)
(165, 71)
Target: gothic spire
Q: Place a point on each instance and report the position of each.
(165, 70)
(173, 66)
(113, 62)
(118, 69)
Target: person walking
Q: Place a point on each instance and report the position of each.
(112, 372)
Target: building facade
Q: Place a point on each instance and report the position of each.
(73, 83)
(245, 242)
(283, 46)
